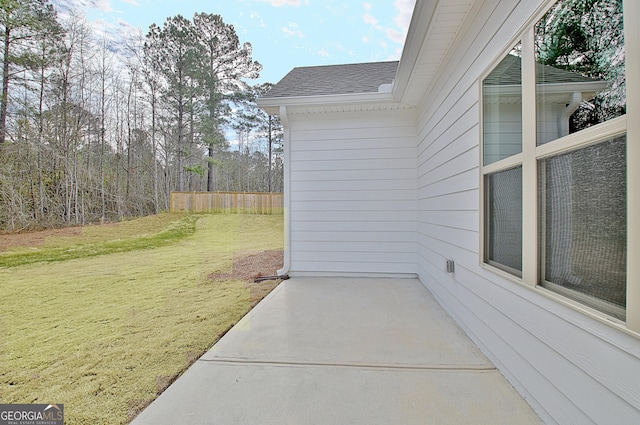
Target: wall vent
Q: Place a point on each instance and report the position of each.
(451, 266)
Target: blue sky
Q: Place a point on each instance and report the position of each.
(284, 33)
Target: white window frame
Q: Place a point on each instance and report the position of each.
(531, 154)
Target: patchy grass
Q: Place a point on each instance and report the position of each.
(106, 332)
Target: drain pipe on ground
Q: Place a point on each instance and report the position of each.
(265, 278)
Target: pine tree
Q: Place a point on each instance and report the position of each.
(220, 73)
(173, 54)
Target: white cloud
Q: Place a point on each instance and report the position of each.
(324, 53)
(396, 36)
(127, 30)
(102, 5)
(402, 20)
(293, 30)
(69, 5)
(280, 3)
(255, 16)
(371, 20)
(132, 2)
(405, 11)
(368, 17)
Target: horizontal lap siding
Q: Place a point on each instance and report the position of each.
(353, 193)
(571, 368)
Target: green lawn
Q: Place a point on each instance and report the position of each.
(103, 330)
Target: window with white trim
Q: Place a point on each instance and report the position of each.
(554, 157)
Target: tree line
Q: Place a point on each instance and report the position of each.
(92, 130)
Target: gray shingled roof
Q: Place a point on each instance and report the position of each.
(335, 79)
(508, 72)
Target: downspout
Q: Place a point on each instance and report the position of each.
(287, 191)
(563, 120)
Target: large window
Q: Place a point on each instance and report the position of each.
(554, 156)
(584, 225)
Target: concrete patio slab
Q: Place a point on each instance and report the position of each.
(342, 351)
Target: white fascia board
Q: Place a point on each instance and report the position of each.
(272, 105)
(562, 91)
(581, 87)
(423, 14)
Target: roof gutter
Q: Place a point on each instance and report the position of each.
(284, 118)
(273, 105)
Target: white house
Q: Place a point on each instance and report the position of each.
(396, 169)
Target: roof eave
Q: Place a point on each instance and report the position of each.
(418, 28)
(272, 105)
(574, 87)
(436, 29)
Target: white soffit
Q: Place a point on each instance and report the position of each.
(331, 103)
(341, 108)
(434, 28)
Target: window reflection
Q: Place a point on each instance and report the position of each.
(580, 74)
(502, 109)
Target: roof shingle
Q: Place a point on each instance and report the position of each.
(335, 80)
(508, 72)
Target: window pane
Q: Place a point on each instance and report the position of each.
(502, 109)
(583, 225)
(580, 67)
(504, 220)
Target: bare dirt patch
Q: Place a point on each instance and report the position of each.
(250, 266)
(37, 238)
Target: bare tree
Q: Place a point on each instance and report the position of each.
(94, 130)
(22, 22)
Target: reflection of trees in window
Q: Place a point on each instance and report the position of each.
(580, 82)
(586, 37)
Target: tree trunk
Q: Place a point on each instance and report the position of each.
(154, 144)
(5, 85)
(41, 209)
(211, 170)
(270, 152)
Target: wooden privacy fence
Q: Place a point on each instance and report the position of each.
(227, 202)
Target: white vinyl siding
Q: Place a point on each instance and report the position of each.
(352, 193)
(399, 192)
(572, 367)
